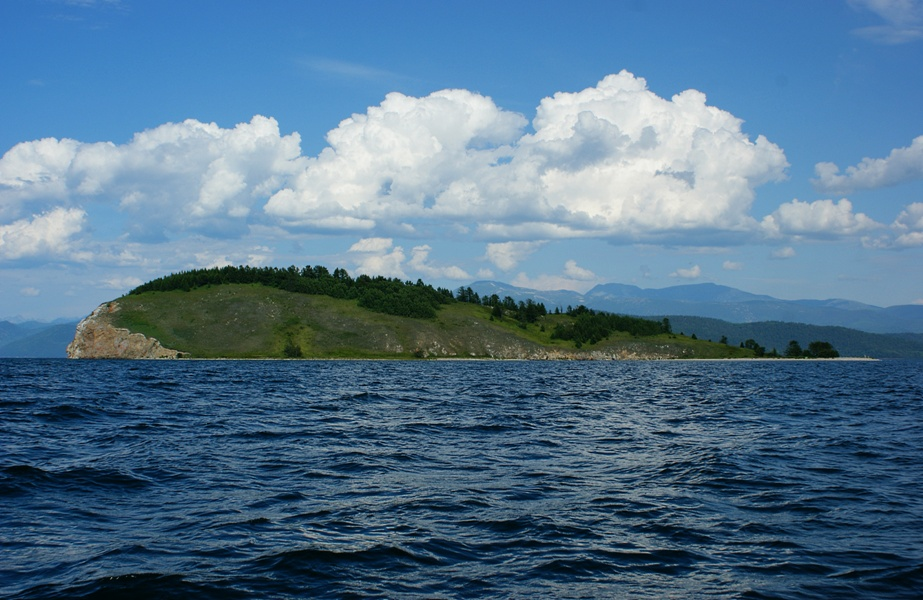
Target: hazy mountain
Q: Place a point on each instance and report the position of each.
(721, 302)
(33, 339)
(776, 335)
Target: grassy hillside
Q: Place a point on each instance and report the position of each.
(256, 321)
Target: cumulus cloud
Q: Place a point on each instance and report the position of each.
(573, 277)
(375, 244)
(903, 20)
(419, 262)
(33, 170)
(573, 271)
(391, 163)
(819, 219)
(730, 265)
(178, 176)
(910, 239)
(259, 255)
(693, 272)
(372, 257)
(911, 218)
(614, 160)
(617, 160)
(30, 291)
(507, 255)
(909, 227)
(50, 235)
(903, 164)
(211, 260)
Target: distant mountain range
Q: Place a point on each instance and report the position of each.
(33, 339)
(720, 302)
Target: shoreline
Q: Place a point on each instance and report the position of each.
(489, 359)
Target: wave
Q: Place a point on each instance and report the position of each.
(426, 479)
(141, 586)
(20, 479)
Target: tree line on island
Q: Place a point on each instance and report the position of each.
(422, 301)
(380, 294)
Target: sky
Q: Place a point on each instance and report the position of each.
(775, 147)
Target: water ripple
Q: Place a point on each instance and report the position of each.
(461, 479)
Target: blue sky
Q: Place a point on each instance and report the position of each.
(775, 147)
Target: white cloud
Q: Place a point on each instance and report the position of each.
(617, 160)
(911, 239)
(392, 162)
(49, 235)
(506, 255)
(259, 255)
(730, 265)
(573, 278)
(693, 272)
(783, 253)
(903, 164)
(29, 292)
(911, 218)
(373, 257)
(209, 260)
(614, 160)
(573, 271)
(550, 282)
(347, 70)
(34, 170)
(419, 262)
(903, 20)
(821, 219)
(909, 227)
(194, 252)
(121, 283)
(385, 264)
(175, 177)
(374, 244)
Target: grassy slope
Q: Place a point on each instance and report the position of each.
(252, 321)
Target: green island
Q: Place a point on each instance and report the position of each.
(311, 312)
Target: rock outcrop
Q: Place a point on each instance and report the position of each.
(96, 337)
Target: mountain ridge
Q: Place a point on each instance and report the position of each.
(721, 302)
(34, 339)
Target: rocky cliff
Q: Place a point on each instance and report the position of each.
(97, 338)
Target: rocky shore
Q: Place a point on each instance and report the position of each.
(97, 338)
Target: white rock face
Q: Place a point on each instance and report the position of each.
(97, 338)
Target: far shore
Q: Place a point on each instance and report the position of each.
(782, 358)
(489, 359)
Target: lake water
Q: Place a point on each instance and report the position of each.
(486, 479)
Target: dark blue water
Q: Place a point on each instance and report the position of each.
(461, 479)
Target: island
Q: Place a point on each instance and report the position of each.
(313, 313)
